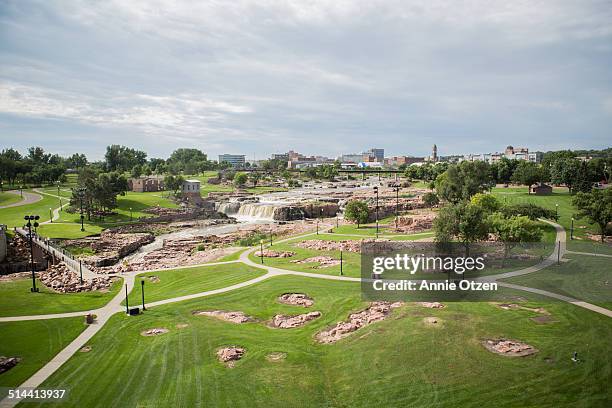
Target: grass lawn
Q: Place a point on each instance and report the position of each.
(587, 278)
(186, 281)
(13, 216)
(17, 300)
(396, 362)
(35, 342)
(9, 198)
(68, 230)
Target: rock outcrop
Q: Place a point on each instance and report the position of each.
(291, 322)
(296, 299)
(233, 317)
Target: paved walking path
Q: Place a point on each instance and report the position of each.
(28, 198)
(589, 254)
(114, 306)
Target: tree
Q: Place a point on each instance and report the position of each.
(564, 170)
(514, 230)
(487, 202)
(430, 199)
(527, 173)
(254, 177)
(77, 161)
(357, 211)
(240, 179)
(596, 206)
(122, 158)
(461, 181)
(464, 221)
(174, 183)
(136, 171)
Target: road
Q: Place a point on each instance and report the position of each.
(28, 198)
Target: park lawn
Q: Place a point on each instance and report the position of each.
(13, 216)
(583, 277)
(68, 230)
(397, 362)
(35, 342)
(9, 198)
(232, 257)
(17, 300)
(187, 281)
(561, 196)
(138, 202)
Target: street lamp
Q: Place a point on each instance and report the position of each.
(557, 211)
(130, 213)
(572, 230)
(58, 195)
(1, 187)
(50, 215)
(21, 191)
(29, 224)
(396, 188)
(142, 281)
(376, 191)
(261, 250)
(270, 236)
(340, 262)
(81, 193)
(127, 303)
(317, 227)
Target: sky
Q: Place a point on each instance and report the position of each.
(318, 77)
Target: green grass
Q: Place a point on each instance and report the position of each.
(397, 362)
(9, 198)
(17, 300)
(587, 278)
(35, 342)
(13, 216)
(68, 230)
(186, 281)
(231, 257)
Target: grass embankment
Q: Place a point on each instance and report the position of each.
(9, 198)
(397, 362)
(17, 300)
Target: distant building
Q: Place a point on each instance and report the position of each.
(541, 189)
(397, 161)
(511, 153)
(191, 191)
(236, 160)
(144, 184)
(352, 158)
(280, 156)
(434, 153)
(376, 153)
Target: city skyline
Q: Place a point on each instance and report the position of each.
(319, 78)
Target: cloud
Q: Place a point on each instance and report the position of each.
(321, 76)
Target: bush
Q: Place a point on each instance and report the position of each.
(532, 211)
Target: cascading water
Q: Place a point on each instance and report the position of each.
(229, 208)
(256, 211)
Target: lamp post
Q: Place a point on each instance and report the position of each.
(81, 270)
(21, 191)
(1, 187)
(58, 195)
(29, 224)
(127, 303)
(557, 210)
(142, 280)
(572, 230)
(270, 236)
(130, 213)
(396, 188)
(261, 250)
(340, 262)
(50, 215)
(81, 193)
(376, 191)
(317, 227)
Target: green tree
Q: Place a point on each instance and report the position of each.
(461, 181)
(564, 170)
(527, 173)
(240, 179)
(254, 177)
(514, 230)
(173, 183)
(357, 211)
(464, 221)
(430, 199)
(595, 206)
(487, 202)
(136, 171)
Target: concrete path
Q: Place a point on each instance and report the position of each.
(28, 198)
(589, 254)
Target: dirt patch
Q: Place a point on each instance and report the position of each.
(291, 322)
(6, 363)
(546, 319)
(233, 317)
(229, 355)
(324, 261)
(276, 357)
(153, 279)
(321, 245)
(432, 321)
(268, 253)
(182, 325)
(85, 349)
(15, 276)
(514, 306)
(431, 305)
(421, 221)
(377, 311)
(296, 299)
(510, 348)
(154, 332)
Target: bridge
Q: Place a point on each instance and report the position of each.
(58, 254)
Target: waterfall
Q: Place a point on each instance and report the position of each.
(256, 211)
(229, 208)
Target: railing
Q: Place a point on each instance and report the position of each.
(47, 245)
